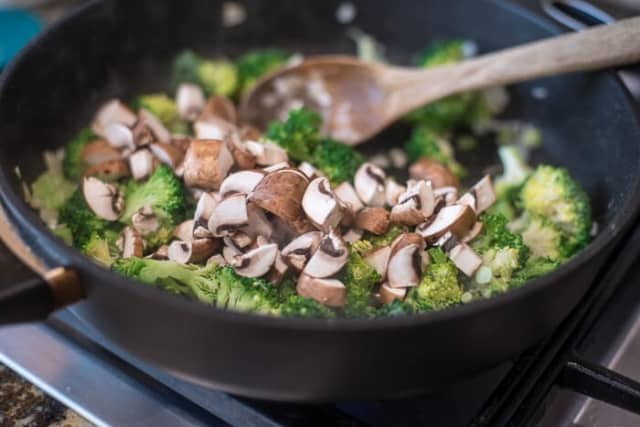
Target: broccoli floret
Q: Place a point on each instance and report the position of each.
(299, 134)
(385, 239)
(395, 308)
(337, 161)
(218, 77)
(164, 193)
(102, 247)
(545, 240)
(441, 52)
(63, 232)
(551, 193)
(439, 287)
(72, 164)
(253, 65)
(81, 221)
(50, 191)
(297, 306)
(185, 69)
(515, 171)
(424, 142)
(165, 109)
(362, 247)
(359, 278)
(533, 269)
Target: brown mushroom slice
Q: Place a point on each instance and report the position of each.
(329, 258)
(213, 128)
(258, 225)
(240, 239)
(167, 154)
(220, 107)
(352, 235)
(130, 243)
(389, 294)
(118, 135)
(111, 170)
(348, 195)
(369, 183)
(141, 164)
(393, 191)
(229, 215)
(230, 251)
(298, 252)
(455, 218)
(281, 193)
(308, 169)
(379, 260)
(184, 231)
(448, 194)
(473, 233)
(468, 199)
(204, 209)
(267, 153)
(250, 133)
(242, 182)
(278, 271)
(330, 292)
(414, 205)
(104, 200)
(256, 262)
(145, 222)
(406, 239)
(191, 252)
(155, 126)
(430, 170)
(206, 164)
(373, 220)
(217, 259)
(190, 101)
(181, 142)
(405, 267)
(99, 151)
(161, 254)
(277, 167)
(484, 194)
(321, 205)
(112, 111)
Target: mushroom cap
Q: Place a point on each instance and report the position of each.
(369, 183)
(191, 252)
(220, 107)
(329, 258)
(392, 191)
(168, 154)
(103, 199)
(99, 151)
(374, 220)
(267, 153)
(379, 260)
(155, 126)
(281, 193)
(258, 225)
(320, 204)
(455, 218)
(347, 195)
(118, 135)
(330, 292)
(473, 233)
(145, 222)
(257, 262)
(206, 164)
(141, 164)
(131, 243)
(111, 170)
(112, 111)
(449, 194)
(241, 155)
(406, 239)
(484, 194)
(184, 231)
(389, 294)
(465, 258)
(430, 170)
(229, 215)
(405, 267)
(204, 209)
(242, 182)
(298, 252)
(213, 128)
(190, 101)
(308, 169)
(161, 254)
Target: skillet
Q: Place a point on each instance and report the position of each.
(117, 49)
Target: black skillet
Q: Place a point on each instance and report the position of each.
(110, 48)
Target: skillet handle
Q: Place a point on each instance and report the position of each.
(34, 299)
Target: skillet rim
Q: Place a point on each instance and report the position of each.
(53, 251)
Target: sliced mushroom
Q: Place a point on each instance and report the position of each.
(473, 233)
(190, 101)
(278, 271)
(204, 209)
(406, 239)
(206, 164)
(181, 142)
(329, 258)
(191, 252)
(281, 193)
(103, 199)
(276, 167)
(130, 243)
(155, 126)
(448, 194)
(220, 107)
(369, 183)
(112, 111)
(321, 205)
(430, 170)
(240, 239)
(455, 218)
(229, 215)
(373, 220)
(184, 231)
(352, 235)
(484, 194)
(161, 254)
(242, 182)
(414, 205)
(230, 252)
(298, 252)
(241, 155)
(283, 232)
(330, 292)
(468, 199)
(308, 169)
(250, 133)
(347, 194)
(389, 294)
(257, 262)
(392, 191)
(405, 267)
(99, 151)
(145, 221)
(217, 259)
(111, 170)
(141, 164)
(213, 128)
(119, 135)
(167, 154)
(258, 223)
(461, 254)
(379, 259)
(267, 153)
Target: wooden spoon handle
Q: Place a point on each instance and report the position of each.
(596, 48)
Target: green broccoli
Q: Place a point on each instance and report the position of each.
(441, 52)
(515, 171)
(439, 287)
(424, 142)
(551, 193)
(253, 65)
(385, 239)
(359, 278)
(73, 166)
(164, 193)
(533, 269)
(81, 221)
(102, 247)
(165, 109)
(218, 77)
(50, 191)
(185, 69)
(63, 232)
(299, 134)
(337, 161)
(545, 240)
(395, 308)
(298, 306)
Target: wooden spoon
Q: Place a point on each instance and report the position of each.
(358, 99)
